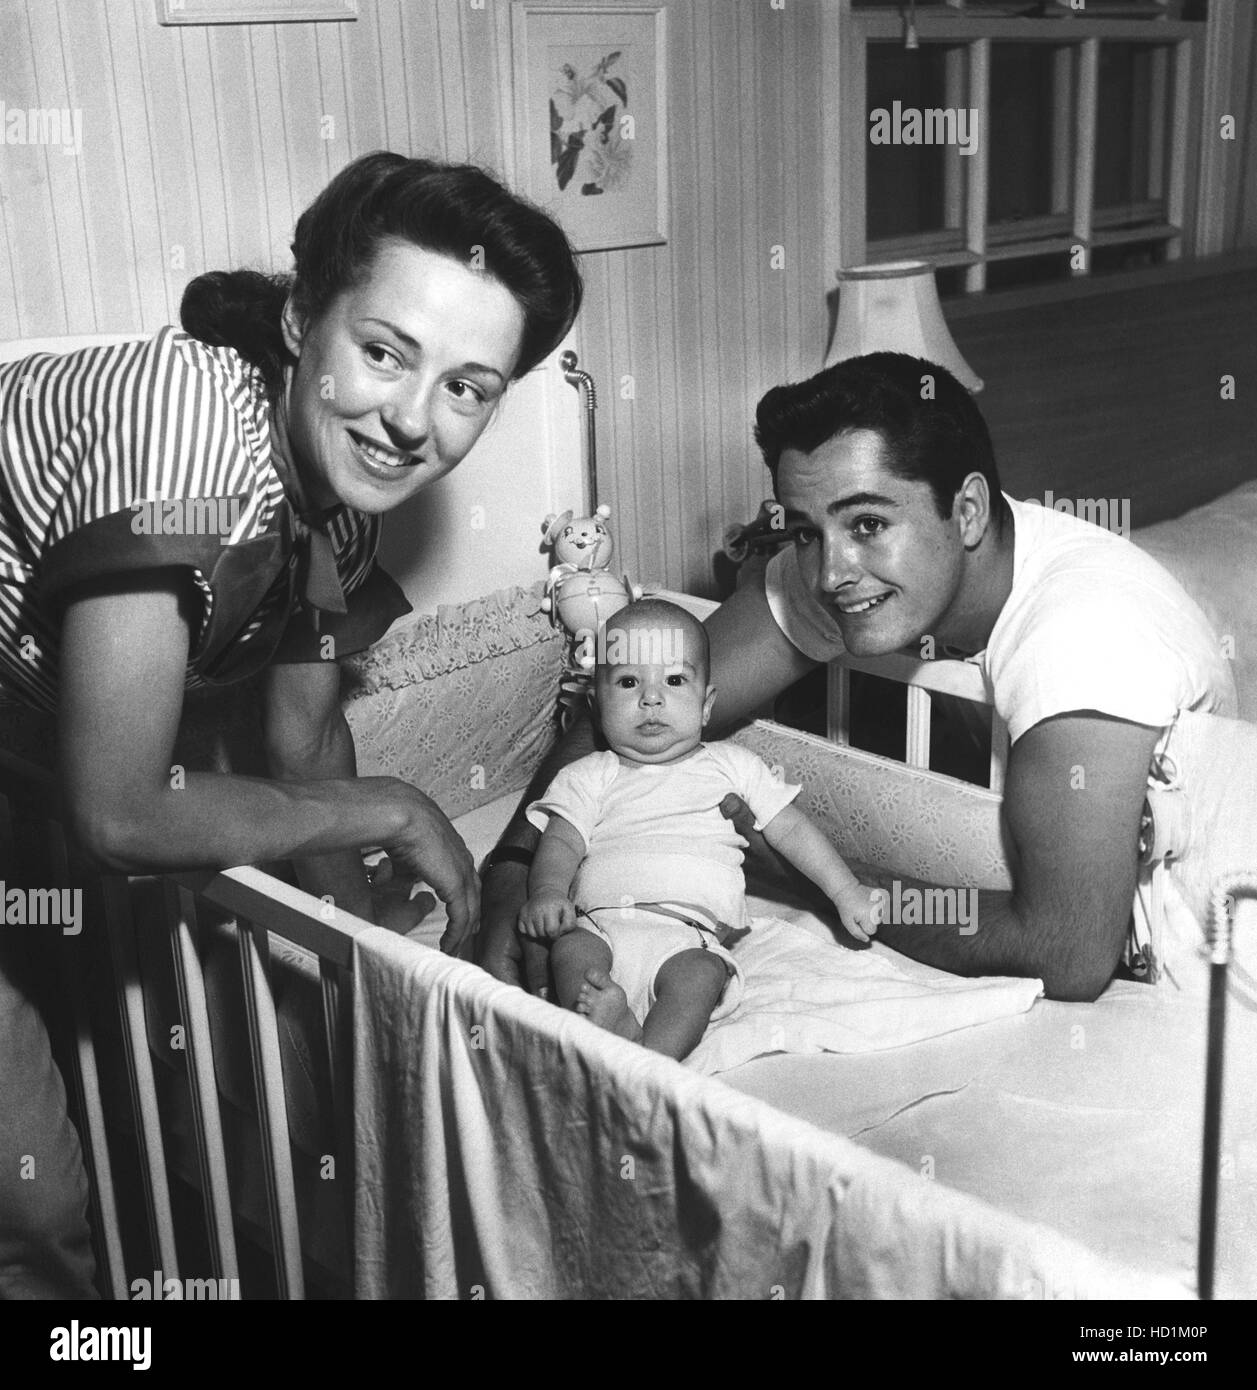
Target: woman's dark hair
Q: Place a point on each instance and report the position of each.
(932, 428)
(453, 210)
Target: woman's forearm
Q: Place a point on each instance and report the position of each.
(124, 654)
(338, 875)
(217, 821)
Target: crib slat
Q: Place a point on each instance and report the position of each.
(120, 921)
(337, 1021)
(202, 1082)
(85, 1080)
(918, 734)
(838, 703)
(268, 1084)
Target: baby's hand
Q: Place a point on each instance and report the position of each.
(861, 910)
(547, 914)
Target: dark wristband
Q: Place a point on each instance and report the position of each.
(507, 854)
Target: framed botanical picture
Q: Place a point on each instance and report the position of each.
(589, 140)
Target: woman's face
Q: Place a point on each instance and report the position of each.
(395, 381)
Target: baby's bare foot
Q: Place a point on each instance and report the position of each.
(603, 1002)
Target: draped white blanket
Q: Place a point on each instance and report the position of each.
(807, 995)
(507, 1149)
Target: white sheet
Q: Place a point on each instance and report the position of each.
(1084, 1117)
(508, 1149)
(808, 995)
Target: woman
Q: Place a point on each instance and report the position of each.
(189, 510)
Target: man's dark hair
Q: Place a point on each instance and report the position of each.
(935, 436)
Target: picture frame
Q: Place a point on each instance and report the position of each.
(588, 135)
(254, 11)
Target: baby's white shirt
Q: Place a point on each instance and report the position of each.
(654, 832)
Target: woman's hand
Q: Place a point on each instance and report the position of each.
(429, 848)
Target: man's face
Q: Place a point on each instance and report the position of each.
(652, 711)
(871, 546)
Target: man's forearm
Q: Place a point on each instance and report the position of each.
(500, 948)
(966, 931)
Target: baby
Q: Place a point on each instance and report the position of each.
(637, 882)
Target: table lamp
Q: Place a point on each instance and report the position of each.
(894, 308)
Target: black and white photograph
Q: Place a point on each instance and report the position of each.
(489, 485)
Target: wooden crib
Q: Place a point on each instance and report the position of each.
(278, 933)
(259, 910)
(275, 931)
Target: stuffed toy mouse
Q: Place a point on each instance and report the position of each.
(582, 593)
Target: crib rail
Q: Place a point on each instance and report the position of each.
(924, 679)
(257, 906)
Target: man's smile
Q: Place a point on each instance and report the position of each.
(855, 607)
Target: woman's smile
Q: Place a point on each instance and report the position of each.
(398, 378)
(381, 455)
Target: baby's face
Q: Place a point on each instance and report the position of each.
(651, 711)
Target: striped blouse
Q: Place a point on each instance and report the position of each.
(156, 453)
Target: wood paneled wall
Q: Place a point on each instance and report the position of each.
(201, 146)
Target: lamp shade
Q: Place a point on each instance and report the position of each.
(894, 308)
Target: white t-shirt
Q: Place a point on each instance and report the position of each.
(654, 832)
(1091, 623)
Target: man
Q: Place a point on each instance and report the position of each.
(884, 469)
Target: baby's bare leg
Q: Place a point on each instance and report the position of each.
(581, 963)
(571, 955)
(687, 990)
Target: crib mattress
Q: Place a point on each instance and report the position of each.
(1085, 1118)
